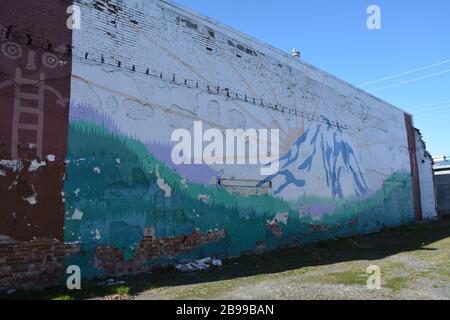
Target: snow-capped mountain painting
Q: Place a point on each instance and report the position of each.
(322, 162)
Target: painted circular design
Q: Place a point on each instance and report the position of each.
(50, 60)
(11, 50)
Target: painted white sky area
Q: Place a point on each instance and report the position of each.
(333, 36)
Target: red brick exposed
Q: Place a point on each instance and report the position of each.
(113, 261)
(33, 265)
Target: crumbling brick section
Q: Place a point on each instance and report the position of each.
(112, 259)
(39, 263)
(33, 265)
(276, 229)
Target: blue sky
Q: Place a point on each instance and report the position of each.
(333, 36)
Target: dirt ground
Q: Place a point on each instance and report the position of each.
(414, 262)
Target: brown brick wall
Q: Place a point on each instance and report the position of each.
(34, 264)
(35, 77)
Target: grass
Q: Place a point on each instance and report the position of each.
(405, 255)
(88, 290)
(396, 284)
(348, 278)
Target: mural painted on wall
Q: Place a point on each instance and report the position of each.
(130, 207)
(99, 174)
(328, 151)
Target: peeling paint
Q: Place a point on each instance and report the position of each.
(149, 232)
(98, 235)
(31, 200)
(97, 170)
(163, 185)
(203, 197)
(280, 218)
(35, 165)
(14, 183)
(4, 238)
(77, 215)
(15, 165)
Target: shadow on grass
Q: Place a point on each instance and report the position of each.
(362, 247)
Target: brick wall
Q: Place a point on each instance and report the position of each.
(140, 69)
(35, 68)
(144, 68)
(112, 259)
(33, 264)
(158, 49)
(184, 48)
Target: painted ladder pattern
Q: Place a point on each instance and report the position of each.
(36, 111)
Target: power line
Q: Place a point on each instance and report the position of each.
(436, 113)
(418, 107)
(435, 116)
(410, 81)
(430, 109)
(404, 73)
